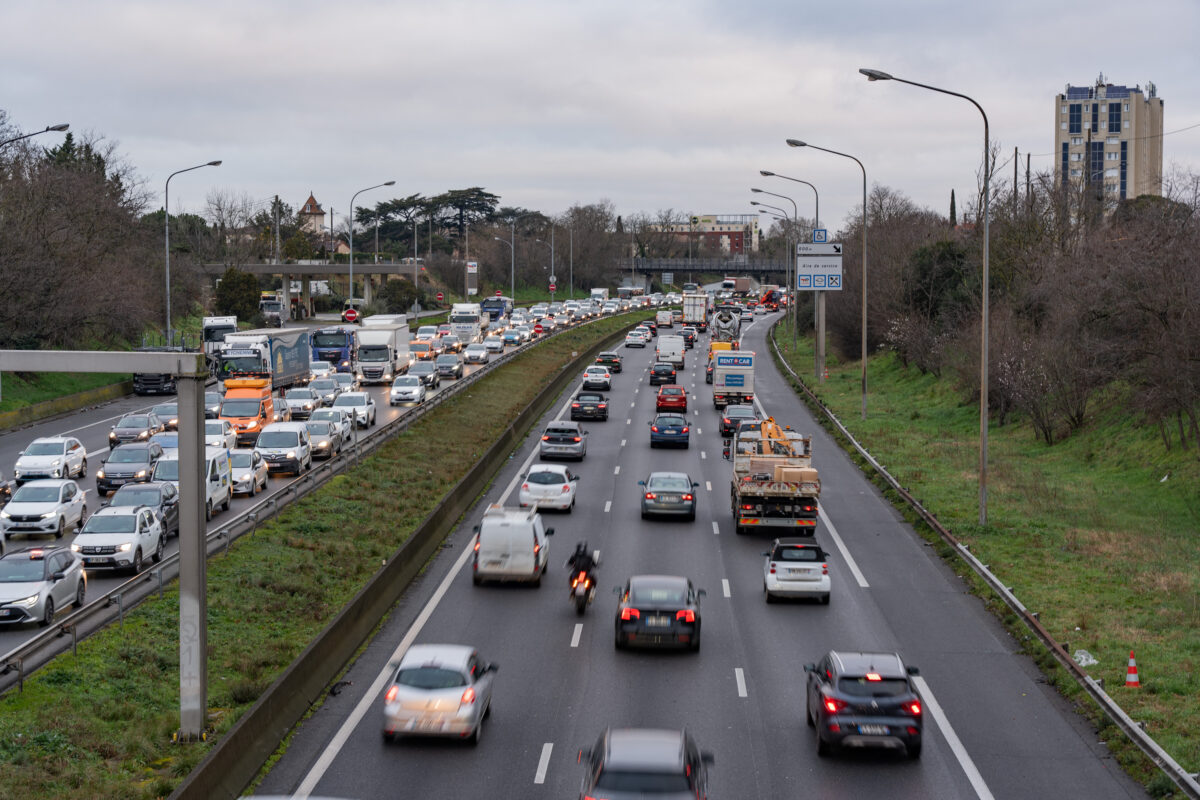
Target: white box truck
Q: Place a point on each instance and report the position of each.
(599, 296)
(382, 353)
(695, 310)
(733, 377)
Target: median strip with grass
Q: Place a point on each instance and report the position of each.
(1096, 533)
(99, 724)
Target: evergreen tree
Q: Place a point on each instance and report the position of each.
(953, 211)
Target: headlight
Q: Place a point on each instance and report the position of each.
(112, 435)
(144, 435)
(322, 444)
(125, 548)
(308, 406)
(291, 454)
(99, 473)
(50, 515)
(141, 473)
(76, 548)
(245, 477)
(27, 602)
(387, 376)
(4, 515)
(55, 463)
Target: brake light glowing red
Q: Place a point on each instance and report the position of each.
(873, 676)
(772, 570)
(577, 439)
(914, 708)
(545, 438)
(747, 507)
(574, 405)
(628, 613)
(391, 694)
(824, 569)
(476, 545)
(687, 615)
(689, 497)
(654, 428)
(651, 496)
(468, 696)
(685, 428)
(833, 705)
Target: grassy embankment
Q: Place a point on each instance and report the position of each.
(1097, 533)
(99, 724)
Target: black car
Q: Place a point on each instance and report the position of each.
(864, 700)
(733, 414)
(689, 336)
(449, 366)
(628, 763)
(610, 360)
(127, 463)
(589, 405)
(662, 372)
(658, 611)
(169, 414)
(161, 496)
(135, 428)
(651, 324)
(427, 371)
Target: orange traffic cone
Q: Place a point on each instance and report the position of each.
(1131, 675)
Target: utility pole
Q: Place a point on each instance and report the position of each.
(276, 229)
(1016, 161)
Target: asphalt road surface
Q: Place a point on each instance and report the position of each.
(993, 727)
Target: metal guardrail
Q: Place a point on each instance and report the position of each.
(65, 633)
(1186, 782)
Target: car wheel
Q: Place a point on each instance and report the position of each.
(101, 492)
(62, 525)
(487, 712)
(913, 750)
(208, 510)
(82, 516)
(571, 507)
(478, 581)
(478, 734)
(823, 747)
(618, 643)
(769, 597)
(80, 592)
(83, 469)
(48, 614)
(696, 644)
(824, 599)
(137, 561)
(228, 501)
(158, 551)
(389, 737)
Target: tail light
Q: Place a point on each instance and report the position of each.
(651, 495)
(824, 569)
(913, 708)
(725, 420)
(602, 405)
(689, 497)
(477, 545)
(566, 488)
(772, 569)
(577, 439)
(747, 507)
(545, 438)
(833, 705)
(687, 615)
(537, 548)
(468, 696)
(630, 613)
(654, 428)
(574, 405)
(391, 694)
(524, 487)
(874, 676)
(685, 429)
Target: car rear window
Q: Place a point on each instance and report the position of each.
(798, 554)
(670, 484)
(671, 422)
(430, 678)
(656, 594)
(546, 478)
(646, 782)
(861, 687)
(672, 390)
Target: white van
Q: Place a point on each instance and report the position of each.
(663, 319)
(286, 447)
(511, 545)
(670, 349)
(218, 478)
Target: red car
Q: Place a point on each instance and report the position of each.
(671, 398)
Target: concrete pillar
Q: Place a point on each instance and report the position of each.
(286, 293)
(193, 563)
(306, 295)
(367, 280)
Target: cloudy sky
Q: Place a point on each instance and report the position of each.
(548, 103)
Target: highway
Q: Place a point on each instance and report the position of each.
(993, 728)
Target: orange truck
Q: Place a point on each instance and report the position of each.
(249, 405)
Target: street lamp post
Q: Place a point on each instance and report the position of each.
(350, 292)
(819, 305)
(798, 143)
(513, 264)
(793, 261)
(549, 244)
(60, 127)
(167, 233)
(878, 75)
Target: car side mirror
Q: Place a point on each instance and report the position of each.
(810, 667)
(695, 485)
(701, 593)
(58, 576)
(20, 452)
(215, 479)
(766, 553)
(549, 531)
(912, 670)
(708, 758)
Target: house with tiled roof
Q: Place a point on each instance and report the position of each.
(312, 216)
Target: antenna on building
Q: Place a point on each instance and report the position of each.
(1100, 80)
(1151, 89)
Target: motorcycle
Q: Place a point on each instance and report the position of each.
(583, 590)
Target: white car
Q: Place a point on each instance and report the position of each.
(319, 369)
(548, 486)
(44, 506)
(51, 457)
(249, 471)
(407, 389)
(760, 311)
(439, 690)
(635, 339)
(494, 344)
(597, 377)
(360, 406)
(120, 537)
(476, 353)
(219, 433)
(338, 415)
(524, 331)
(796, 568)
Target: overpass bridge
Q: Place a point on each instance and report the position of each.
(758, 267)
(308, 271)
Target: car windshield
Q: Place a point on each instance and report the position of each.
(475, 348)
(45, 449)
(212, 398)
(332, 416)
(109, 523)
(135, 496)
(318, 428)
(278, 439)
(427, 330)
(430, 678)
(168, 410)
(404, 382)
(21, 570)
(419, 347)
(35, 494)
(240, 408)
(349, 400)
(657, 594)
(642, 782)
(318, 366)
(421, 369)
(546, 478)
(344, 379)
(323, 385)
(373, 352)
(335, 339)
(797, 554)
(670, 422)
(214, 429)
(240, 460)
(669, 484)
(129, 455)
(134, 422)
(167, 470)
(447, 361)
(300, 394)
(885, 687)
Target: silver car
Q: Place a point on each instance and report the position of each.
(669, 494)
(41, 507)
(360, 405)
(407, 389)
(301, 402)
(326, 390)
(336, 415)
(36, 581)
(326, 438)
(249, 471)
(563, 440)
(439, 690)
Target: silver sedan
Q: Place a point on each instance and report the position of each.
(669, 494)
(439, 690)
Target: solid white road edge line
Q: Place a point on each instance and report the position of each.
(956, 746)
(741, 681)
(576, 634)
(331, 751)
(607, 506)
(543, 763)
(725, 586)
(841, 546)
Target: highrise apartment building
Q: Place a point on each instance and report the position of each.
(1110, 137)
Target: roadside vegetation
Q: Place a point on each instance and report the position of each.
(100, 724)
(1097, 532)
(21, 389)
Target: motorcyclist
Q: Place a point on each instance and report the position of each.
(581, 561)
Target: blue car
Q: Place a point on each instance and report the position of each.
(512, 338)
(670, 429)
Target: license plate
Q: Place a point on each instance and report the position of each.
(493, 563)
(669, 498)
(589, 408)
(97, 561)
(428, 723)
(873, 730)
(658, 622)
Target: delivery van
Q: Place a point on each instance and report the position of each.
(511, 545)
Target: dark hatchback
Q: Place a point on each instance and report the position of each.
(658, 611)
(864, 700)
(651, 324)
(610, 360)
(127, 463)
(161, 496)
(634, 763)
(662, 372)
(670, 429)
(589, 406)
(733, 414)
(428, 373)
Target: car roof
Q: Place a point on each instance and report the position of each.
(30, 552)
(559, 468)
(115, 511)
(144, 485)
(52, 439)
(452, 656)
(49, 482)
(673, 581)
(887, 665)
(644, 749)
(287, 426)
(796, 543)
(682, 475)
(562, 423)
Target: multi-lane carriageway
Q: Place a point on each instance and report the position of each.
(993, 727)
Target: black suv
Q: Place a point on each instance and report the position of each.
(863, 700)
(628, 763)
(427, 371)
(589, 405)
(161, 496)
(127, 463)
(662, 372)
(135, 428)
(610, 360)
